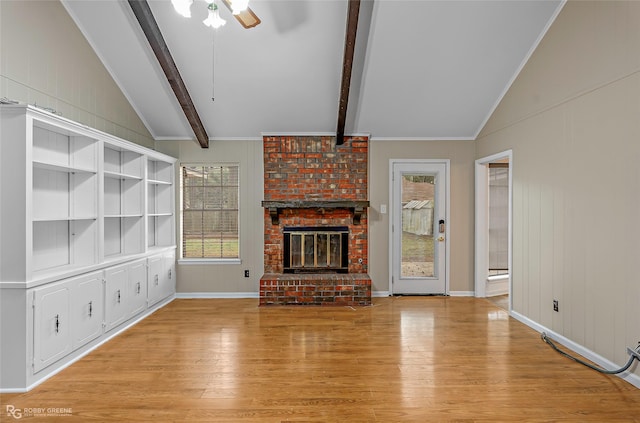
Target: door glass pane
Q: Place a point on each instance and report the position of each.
(418, 201)
(309, 250)
(296, 250)
(321, 249)
(335, 250)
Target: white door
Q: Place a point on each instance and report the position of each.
(419, 227)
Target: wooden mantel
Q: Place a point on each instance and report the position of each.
(356, 207)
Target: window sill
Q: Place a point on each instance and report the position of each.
(201, 261)
(497, 278)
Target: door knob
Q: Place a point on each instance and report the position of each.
(441, 238)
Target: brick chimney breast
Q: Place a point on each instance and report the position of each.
(313, 170)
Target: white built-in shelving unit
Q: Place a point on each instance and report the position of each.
(123, 189)
(160, 204)
(64, 199)
(87, 240)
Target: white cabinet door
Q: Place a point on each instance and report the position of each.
(52, 325)
(169, 282)
(137, 287)
(116, 310)
(87, 308)
(154, 279)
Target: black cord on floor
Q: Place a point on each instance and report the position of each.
(548, 340)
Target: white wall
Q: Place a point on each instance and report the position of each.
(45, 60)
(227, 279)
(215, 279)
(572, 118)
(461, 154)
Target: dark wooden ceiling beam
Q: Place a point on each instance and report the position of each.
(347, 65)
(149, 26)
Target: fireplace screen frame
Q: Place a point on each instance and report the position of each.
(303, 234)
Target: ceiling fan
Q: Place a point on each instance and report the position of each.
(247, 17)
(239, 8)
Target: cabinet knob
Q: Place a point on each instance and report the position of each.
(118, 296)
(57, 323)
(90, 308)
(138, 288)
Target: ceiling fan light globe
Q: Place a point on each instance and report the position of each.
(182, 7)
(214, 20)
(239, 6)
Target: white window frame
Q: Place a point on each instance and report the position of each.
(206, 260)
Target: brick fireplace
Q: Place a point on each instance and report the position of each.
(315, 202)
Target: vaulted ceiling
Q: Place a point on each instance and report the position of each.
(423, 69)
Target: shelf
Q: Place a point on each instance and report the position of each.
(160, 227)
(61, 218)
(123, 234)
(121, 176)
(120, 216)
(62, 195)
(63, 243)
(159, 214)
(63, 150)
(61, 168)
(120, 163)
(159, 172)
(157, 182)
(160, 199)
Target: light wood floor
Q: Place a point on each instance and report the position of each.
(404, 359)
(501, 301)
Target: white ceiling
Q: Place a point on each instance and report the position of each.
(424, 69)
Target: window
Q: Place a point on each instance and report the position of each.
(210, 211)
(498, 219)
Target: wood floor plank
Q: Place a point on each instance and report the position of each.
(404, 359)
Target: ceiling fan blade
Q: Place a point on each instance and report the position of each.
(247, 18)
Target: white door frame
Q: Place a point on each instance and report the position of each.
(446, 162)
(481, 261)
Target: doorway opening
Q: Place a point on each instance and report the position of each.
(493, 226)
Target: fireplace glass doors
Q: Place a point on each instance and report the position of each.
(316, 249)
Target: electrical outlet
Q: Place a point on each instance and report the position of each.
(555, 305)
(246, 273)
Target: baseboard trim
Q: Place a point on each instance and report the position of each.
(462, 293)
(632, 378)
(191, 295)
(218, 295)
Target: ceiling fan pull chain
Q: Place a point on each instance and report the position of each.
(213, 65)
